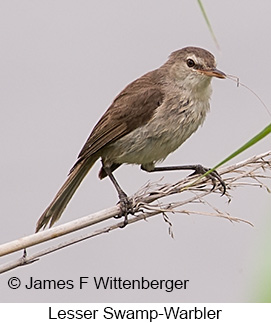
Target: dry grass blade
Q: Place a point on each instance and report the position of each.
(153, 199)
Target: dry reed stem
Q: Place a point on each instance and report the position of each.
(148, 202)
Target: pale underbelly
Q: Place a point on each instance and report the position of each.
(154, 141)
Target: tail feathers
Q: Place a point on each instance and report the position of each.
(62, 198)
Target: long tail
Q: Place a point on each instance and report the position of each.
(62, 198)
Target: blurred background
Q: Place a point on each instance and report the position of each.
(62, 63)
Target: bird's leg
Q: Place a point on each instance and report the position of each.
(198, 169)
(125, 204)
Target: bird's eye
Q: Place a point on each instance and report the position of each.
(190, 62)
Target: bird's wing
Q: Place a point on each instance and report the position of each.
(132, 108)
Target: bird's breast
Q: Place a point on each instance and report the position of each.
(173, 122)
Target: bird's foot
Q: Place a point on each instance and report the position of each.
(214, 176)
(126, 207)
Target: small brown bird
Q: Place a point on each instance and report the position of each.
(148, 120)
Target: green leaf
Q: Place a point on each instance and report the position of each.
(208, 23)
(247, 145)
(251, 142)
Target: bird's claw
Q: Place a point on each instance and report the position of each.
(126, 208)
(213, 176)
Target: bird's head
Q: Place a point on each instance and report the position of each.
(192, 68)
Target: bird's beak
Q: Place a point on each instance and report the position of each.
(213, 73)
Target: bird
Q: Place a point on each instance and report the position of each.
(149, 119)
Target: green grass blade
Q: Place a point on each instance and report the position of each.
(251, 142)
(208, 23)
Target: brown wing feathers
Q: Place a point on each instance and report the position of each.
(133, 107)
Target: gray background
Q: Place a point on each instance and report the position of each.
(62, 63)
